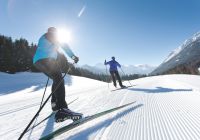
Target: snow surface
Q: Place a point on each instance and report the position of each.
(166, 108)
(172, 54)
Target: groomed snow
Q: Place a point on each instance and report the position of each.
(166, 108)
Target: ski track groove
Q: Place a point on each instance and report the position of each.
(167, 122)
(167, 118)
(106, 130)
(163, 125)
(185, 128)
(187, 118)
(163, 119)
(157, 123)
(181, 123)
(18, 109)
(175, 124)
(115, 126)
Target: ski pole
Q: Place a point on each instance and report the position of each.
(42, 98)
(125, 74)
(107, 74)
(42, 106)
(44, 92)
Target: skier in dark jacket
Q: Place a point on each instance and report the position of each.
(45, 60)
(114, 72)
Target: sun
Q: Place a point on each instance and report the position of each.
(64, 35)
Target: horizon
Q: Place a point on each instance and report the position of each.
(135, 32)
(136, 65)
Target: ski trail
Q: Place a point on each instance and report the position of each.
(83, 105)
(169, 111)
(18, 109)
(105, 132)
(163, 116)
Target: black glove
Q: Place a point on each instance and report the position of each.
(75, 58)
(105, 62)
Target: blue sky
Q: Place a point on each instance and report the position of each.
(134, 31)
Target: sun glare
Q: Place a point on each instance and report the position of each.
(64, 35)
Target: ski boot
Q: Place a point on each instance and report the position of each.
(122, 86)
(65, 114)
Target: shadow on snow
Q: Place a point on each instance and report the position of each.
(84, 135)
(15, 83)
(49, 126)
(158, 90)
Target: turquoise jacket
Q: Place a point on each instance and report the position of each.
(46, 49)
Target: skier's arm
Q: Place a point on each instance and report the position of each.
(69, 52)
(106, 63)
(118, 64)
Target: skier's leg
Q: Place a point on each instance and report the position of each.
(52, 70)
(119, 79)
(53, 103)
(53, 99)
(113, 78)
(58, 97)
(59, 88)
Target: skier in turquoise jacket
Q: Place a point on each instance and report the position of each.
(45, 60)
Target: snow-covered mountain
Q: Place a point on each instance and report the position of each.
(129, 69)
(138, 69)
(184, 59)
(166, 108)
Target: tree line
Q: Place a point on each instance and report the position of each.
(17, 55)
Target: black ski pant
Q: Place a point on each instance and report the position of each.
(114, 75)
(51, 68)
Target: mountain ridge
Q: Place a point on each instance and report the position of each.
(100, 68)
(184, 59)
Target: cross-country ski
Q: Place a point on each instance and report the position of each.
(82, 121)
(125, 87)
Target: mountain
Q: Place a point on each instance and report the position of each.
(130, 69)
(138, 69)
(184, 59)
(95, 69)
